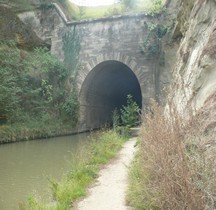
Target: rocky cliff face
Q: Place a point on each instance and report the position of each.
(48, 25)
(194, 72)
(12, 28)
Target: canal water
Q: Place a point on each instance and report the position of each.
(26, 166)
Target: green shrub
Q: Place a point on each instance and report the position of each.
(115, 118)
(156, 7)
(33, 85)
(71, 47)
(130, 113)
(152, 42)
(70, 108)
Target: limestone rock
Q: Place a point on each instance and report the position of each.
(195, 71)
(12, 28)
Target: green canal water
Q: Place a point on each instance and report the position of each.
(26, 166)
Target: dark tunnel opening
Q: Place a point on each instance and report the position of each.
(105, 88)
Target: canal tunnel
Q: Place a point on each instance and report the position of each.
(105, 88)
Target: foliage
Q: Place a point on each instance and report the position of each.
(71, 47)
(156, 7)
(20, 5)
(82, 12)
(70, 107)
(10, 73)
(138, 195)
(130, 113)
(115, 118)
(33, 85)
(113, 11)
(152, 42)
(45, 5)
(85, 166)
(175, 165)
(70, 9)
(129, 4)
(46, 82)
(9, 99)
(122, 7)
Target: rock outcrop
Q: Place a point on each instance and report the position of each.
(194, 73)
(12, 28)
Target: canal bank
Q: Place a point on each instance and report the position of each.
(75, 167)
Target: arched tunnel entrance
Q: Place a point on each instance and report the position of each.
(105, 88)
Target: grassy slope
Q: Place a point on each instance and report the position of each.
(74, 12)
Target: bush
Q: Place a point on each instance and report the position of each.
(152, 42)
(130, 113)
(32, 84)
(156, 7)
(115, 118)
(70, 108)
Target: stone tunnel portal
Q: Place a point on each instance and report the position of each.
(105, 88)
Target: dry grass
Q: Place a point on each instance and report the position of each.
(176, 165)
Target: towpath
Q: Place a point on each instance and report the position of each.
(108, 193)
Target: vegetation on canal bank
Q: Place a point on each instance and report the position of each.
(175, 165)
(35, 98)
(85, 166)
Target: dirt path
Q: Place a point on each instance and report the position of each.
(109, 191)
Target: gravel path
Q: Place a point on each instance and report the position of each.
(108, 193)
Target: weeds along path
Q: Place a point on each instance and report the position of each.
(109, 191)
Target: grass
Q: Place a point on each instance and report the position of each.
(174, 168)
(33, 129)
(71, 10)
(138, 196)
(74, 12)
(101, 11)
(84, 168)
(20, 5)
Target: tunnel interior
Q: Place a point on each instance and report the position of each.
(105, 88)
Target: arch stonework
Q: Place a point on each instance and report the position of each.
(144, 75)
(116, 56)
(104, 86)
(116, 38)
